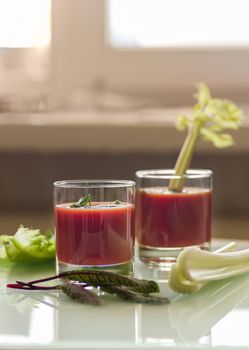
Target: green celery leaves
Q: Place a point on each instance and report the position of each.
(214, 116)
(27, 245)
(210, 117)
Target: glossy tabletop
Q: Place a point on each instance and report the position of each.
(215, 317)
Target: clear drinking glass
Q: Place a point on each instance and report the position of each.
(99, 234)
(167, 221)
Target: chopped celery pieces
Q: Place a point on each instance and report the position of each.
(27, 245)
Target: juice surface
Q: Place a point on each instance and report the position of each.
(166, 219)
(96, 235)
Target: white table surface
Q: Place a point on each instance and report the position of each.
(216, 317)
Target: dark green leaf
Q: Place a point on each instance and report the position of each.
(75, 283)
(105, 278)
(80, 293)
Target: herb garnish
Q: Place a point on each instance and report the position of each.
(27, 245)
(75, 284)
(210, 117)
(80, 293)
(86, 201)
(83, 202)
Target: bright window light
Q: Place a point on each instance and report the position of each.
(178, 23)
(24, 23)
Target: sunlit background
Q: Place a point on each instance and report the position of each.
(25, 23)
(91, 88)
(178, 23)
(144, 25)
(137, 23)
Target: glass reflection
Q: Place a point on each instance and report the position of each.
(206, 317)
(26, 317)
(192, 319)
(195, 315)
(113, 321)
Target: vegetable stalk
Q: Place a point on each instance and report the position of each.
(210, 117)
(195, 267)
(185, 157)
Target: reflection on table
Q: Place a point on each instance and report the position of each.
(45, 318)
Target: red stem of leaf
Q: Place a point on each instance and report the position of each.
(27, 286)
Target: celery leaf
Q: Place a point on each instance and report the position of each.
(27, 245)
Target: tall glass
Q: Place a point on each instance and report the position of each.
(168, 221)
(94, 225)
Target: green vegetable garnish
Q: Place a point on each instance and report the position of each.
(210, 117)
(105, 278)
(27, 245)
(83, 202)
(117, 202)
(80, 293)
(195, 267)
(75, 285)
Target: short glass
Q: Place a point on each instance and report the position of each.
(168, 221)
(100, 234)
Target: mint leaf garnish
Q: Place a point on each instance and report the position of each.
(83, 202)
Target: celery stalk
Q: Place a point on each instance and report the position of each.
(195, 267)
(185, 157)
(210, 117)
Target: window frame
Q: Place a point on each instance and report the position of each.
(24, 68)
(80, 57)
(152, 72)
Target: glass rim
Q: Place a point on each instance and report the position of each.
(170, 174)
(98, 183)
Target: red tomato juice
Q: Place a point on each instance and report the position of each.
(100, 234)
(167, 219)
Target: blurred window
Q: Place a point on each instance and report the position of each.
(153, 48)
(178, 23)
(25, 34)
(24, 23)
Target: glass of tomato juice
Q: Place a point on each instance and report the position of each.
(168, 221)
(94, 225)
